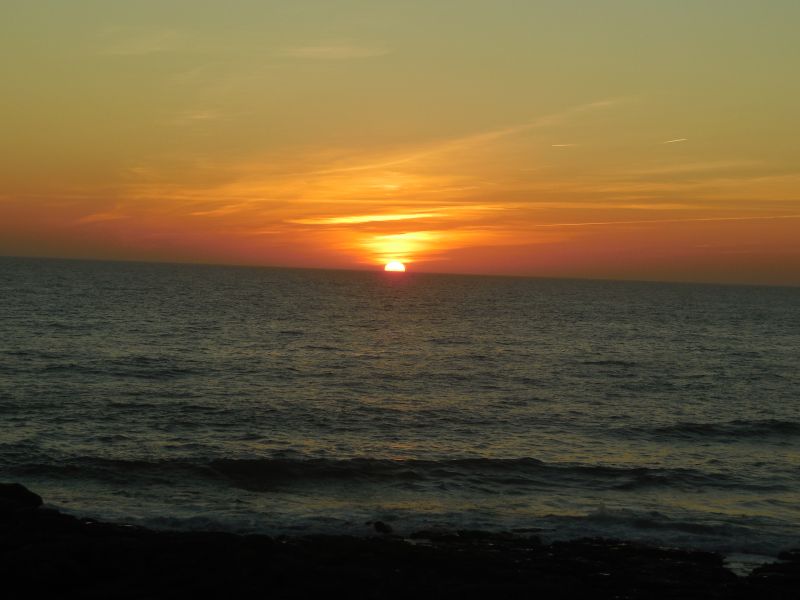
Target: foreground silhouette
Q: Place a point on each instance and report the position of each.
(43, 551)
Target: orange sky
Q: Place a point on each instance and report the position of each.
(349, 136)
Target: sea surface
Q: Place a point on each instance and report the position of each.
(304, 401)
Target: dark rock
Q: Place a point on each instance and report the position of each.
(382, 527)
(790, 555)
(435, 535)
(15, 497)
(777, 580)
(44, 553)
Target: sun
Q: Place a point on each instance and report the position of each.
(396, 266)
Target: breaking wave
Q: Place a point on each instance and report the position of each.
(481, 474)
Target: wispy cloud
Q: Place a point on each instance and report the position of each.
(646, 221)
(676, 141)
(141, 43)
(356, 219)
(221, 210)
(475, 140)
(332, 52)
(434, 213)
(603, 205)
(100, 217)
(696, 167)
(197, 117)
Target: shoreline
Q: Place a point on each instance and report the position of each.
(47, 551)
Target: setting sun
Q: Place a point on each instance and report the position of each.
(588, 218)
(395, 266)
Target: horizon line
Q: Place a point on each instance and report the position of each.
(406, 273)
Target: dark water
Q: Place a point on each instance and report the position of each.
(299, 401)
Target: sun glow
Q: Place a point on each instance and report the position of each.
(395, 266)
(399, 247)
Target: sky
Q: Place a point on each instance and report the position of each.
(623, 139)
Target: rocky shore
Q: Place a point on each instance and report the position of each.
(50, 554)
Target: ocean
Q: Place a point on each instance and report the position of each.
(309, 401)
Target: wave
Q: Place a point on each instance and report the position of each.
(707, 531)
(610, 363)
(487, 475)
(136, 368)
(739, 428)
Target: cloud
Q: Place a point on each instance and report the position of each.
(332, 52)
(695, 220)
(200, 115)
(356, 219)
(433, 213)
(600, 205)
(101, 216)
(221, 210)
(197, 117)
(676, 141)
(142, 43)
(476, 140)
(697, 167)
